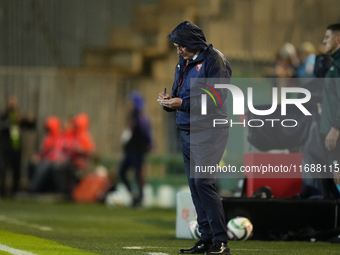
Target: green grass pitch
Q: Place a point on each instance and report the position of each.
(80, 229)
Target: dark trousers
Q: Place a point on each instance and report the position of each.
(49, 176)
(334, 159)
(42, 177)
(315, 185)
(133, 160)
(334, 155)
(10, 159)
(205, 148)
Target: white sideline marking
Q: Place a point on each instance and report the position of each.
(143, 247)
(22, 223)
(235, 249)
(157, 253)
(161, 253)
(133, 247)
(14, 251)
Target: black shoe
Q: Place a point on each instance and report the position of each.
(199, 248)
(218, 248)
(136, 202)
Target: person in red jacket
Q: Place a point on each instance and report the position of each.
(51, 147)
(49, 157)
(78, 145)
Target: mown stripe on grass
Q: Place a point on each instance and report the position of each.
(14, 251)
(4, 253)
(36, 245)
(23, 223)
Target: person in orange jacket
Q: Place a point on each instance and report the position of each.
(80, 145)
(79, 148)
(49, 157)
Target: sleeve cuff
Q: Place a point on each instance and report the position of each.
(185, 104)
(167, 109)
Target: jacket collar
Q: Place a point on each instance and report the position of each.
(201, 56)
(336, 55)
(196, 55)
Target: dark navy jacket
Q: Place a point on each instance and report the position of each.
(199, 73)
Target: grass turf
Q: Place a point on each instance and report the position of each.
(94, 228)
(35, 245)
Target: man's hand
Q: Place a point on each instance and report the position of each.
(331, 139)
(173, 103)
(337, 177)
(161, 96)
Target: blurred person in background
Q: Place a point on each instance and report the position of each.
(63, 154)
(330, 115)
(137, 142)
(80, 145)
(314, 150)
(307, 56)
(201, 144)
(286, 62)
(11, 123)
(79, 148)
(285, 66)
(50, 157)
(68, 129)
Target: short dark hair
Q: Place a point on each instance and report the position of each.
(334, 27)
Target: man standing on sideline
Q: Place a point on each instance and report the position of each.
(201, 144)
(330, 116)
(137, 142)
(10, 146)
